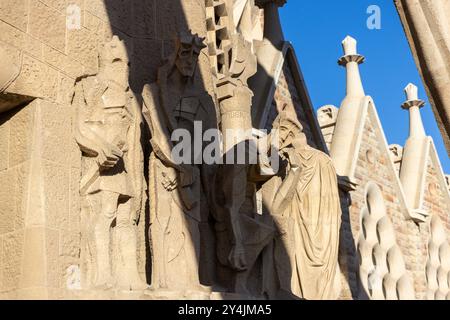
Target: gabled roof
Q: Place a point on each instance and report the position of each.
(289, 57)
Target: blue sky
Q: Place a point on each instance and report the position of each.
(317, 28)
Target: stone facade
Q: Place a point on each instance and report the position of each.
(52, 49)
(426, 26)
(374, 164)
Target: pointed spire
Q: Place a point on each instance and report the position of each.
(413, 104)
(350, 61)
(349, 44)
(346, 131)
(414, 155)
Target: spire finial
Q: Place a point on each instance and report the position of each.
(413, 104)
(350, 61)
(412, 92)
(412, 97)
(349, 44)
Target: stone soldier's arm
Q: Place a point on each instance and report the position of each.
(89, 142)
(161, 141)
(154, 116)
(86, 144)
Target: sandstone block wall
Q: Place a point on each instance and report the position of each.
(57, 41)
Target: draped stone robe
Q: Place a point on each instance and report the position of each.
(306, 210)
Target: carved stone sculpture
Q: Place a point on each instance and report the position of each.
(178, 199)
(108, 131)
(304, 203)
(240, 236)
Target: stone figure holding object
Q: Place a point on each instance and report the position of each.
(178, 194)
(108, 131)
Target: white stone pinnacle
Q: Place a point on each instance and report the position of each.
(413, 104)
(349, 45)
(411, 92)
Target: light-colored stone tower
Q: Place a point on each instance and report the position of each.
(395, 200)
(344, 141)
(414, 155)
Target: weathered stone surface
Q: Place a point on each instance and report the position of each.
(36, 79)
(15, 12)
(53, 33)
(4, 146)
(47, 225)
(21, 136)
(12, 257)
(7, 207)
(82, 46)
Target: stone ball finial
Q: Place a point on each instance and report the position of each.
(349, 44)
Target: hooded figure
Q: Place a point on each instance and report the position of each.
(304, 203)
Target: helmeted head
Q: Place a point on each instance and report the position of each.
(114, 62)
(113, 51)
(188, 49)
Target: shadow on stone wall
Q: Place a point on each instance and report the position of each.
(149, 28)
(349, 259)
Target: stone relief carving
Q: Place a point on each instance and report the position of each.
(108, 131)
(178, 197)
(240, 236)
(327, 115)
(303, 201)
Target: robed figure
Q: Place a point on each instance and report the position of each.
(304, 203)
(173, 106)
